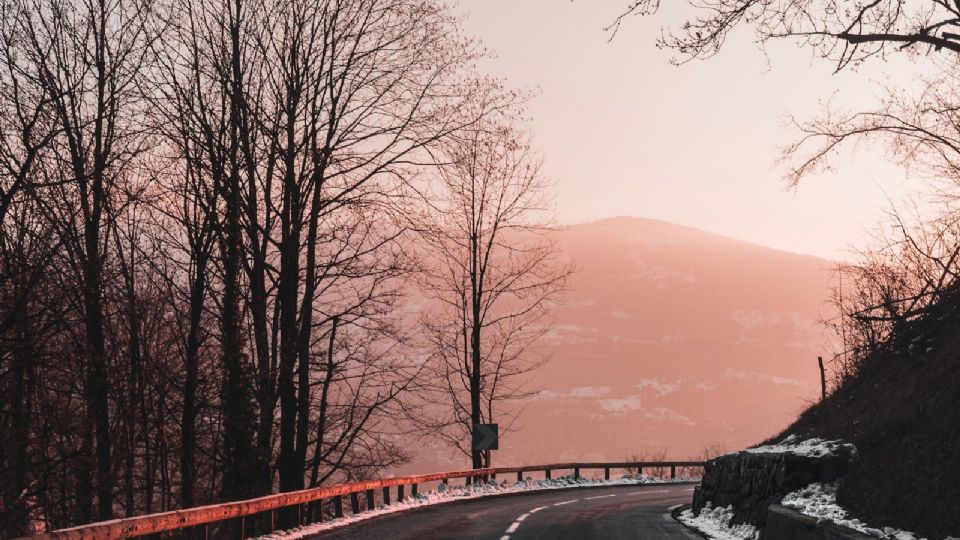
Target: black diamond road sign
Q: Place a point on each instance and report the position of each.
(485, 437)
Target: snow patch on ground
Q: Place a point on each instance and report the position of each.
(715, 523)
(820, 501)
(446, 493)
(808, 447)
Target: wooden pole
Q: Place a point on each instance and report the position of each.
(823, 379)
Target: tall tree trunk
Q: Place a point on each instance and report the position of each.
(188, 417)
(239, 419)
(322, 416)
(97, 385)
(291, 473)
(305, 333)
(134, 389)
(23, 365)
(475, 328)
(239, 429)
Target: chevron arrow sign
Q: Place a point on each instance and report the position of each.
(485, 437)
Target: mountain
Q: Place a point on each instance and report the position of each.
(670, 338)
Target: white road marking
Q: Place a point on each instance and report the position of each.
(513, 526)
(516, 524)
(674, 507)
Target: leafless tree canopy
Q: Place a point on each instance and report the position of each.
(492, 272)
(204, 221)
(847, 32)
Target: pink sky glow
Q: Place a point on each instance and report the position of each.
(624, 132)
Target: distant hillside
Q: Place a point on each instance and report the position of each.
(670, 338)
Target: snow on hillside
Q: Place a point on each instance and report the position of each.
(808, 447)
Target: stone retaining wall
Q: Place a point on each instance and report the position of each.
(752, 482)
(787, 524)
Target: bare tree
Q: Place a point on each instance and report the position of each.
(901, 288)
(844, 33)
(89, 58)
(494, 273)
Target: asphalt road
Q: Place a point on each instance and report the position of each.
(619, 512)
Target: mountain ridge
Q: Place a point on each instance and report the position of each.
(629, 219)
(670, 339)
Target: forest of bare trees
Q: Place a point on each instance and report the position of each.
(208, 213)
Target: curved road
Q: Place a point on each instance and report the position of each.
(581, 513)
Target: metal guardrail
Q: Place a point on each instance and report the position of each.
(294, 502)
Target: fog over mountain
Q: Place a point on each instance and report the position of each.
(670, 338)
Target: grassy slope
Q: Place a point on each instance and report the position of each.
(903, 414)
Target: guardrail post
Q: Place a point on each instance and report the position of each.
(338, 506)
(519, 476)
(370, 501)
(548, 474)
(468, 480)
(576, 473)
(493, 477)
(386, 496)
(400, 493)
(606, 473)
(445, 481)
(355, 503)
(673, 472)
(413, 490)
(640, 470)
(315, 511)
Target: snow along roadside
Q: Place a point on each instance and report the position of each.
(715, 524)
(820, 501)
(445, 493)
(816, 500)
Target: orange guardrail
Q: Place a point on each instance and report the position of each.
(294, 500)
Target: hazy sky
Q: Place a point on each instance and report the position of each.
(624, 132)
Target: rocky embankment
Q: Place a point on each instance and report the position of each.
(741, 494)
(752, 480)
